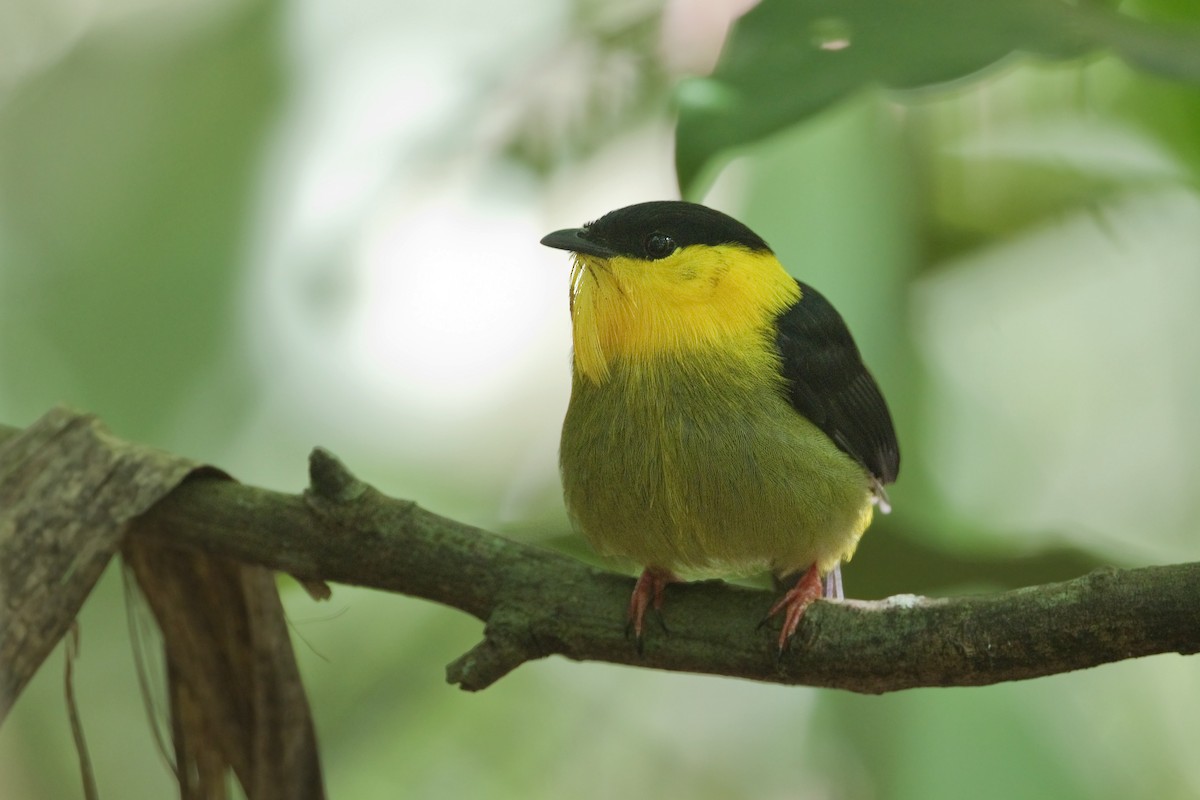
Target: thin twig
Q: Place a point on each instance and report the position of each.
(86, 773)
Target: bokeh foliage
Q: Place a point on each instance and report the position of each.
(1000, 197)
(786, 61)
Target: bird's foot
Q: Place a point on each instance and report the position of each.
(795, 602)
(648, 592)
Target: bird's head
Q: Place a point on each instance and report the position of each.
(667, 276)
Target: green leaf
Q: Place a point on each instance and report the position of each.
(789, 59)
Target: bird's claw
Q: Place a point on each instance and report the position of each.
(795, 603)
(648, 593)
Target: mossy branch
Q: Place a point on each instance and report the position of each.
(535, 602)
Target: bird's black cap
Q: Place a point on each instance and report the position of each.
(632, 231)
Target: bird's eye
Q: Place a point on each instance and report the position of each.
(659, 245)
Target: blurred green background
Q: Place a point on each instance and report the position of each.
(240, 228)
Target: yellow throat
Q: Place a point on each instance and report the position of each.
(698, 298)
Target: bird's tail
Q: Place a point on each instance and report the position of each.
(833, 583)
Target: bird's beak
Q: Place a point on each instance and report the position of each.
(577, 241)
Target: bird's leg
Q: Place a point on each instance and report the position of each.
(648, 591)
(795, 602)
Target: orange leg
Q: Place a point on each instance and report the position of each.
(796, 601)
(648, 591)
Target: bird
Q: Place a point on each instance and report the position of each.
(721, 421)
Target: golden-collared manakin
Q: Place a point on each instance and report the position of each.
(721, 419)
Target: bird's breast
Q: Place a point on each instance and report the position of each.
(698, 463)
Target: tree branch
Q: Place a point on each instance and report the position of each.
(70, 496)
(536, 603)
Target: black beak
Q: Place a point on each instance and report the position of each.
(577, 241)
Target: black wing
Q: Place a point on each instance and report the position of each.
(827, 382)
